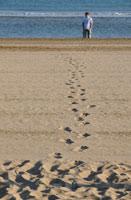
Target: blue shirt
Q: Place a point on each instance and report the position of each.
(87, 22)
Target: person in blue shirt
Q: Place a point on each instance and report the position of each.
(87, 24)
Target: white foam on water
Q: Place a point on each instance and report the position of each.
(63, 14)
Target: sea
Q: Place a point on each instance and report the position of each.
(63, 18)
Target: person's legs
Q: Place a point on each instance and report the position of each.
(84, 33)
(89, 33)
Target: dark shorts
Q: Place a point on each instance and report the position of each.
(86, 32)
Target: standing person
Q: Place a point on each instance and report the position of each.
(87, 24)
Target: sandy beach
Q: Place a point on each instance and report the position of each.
(65, 109)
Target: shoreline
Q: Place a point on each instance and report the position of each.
(65, 45)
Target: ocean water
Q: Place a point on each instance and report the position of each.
(62, 19)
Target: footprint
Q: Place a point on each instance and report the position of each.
(78, 85)
(66, 141)
(72, 82)
(72, 88)
(86, 123)
(70, 97)
(75, 110)
(91, 106)
(85, 114)
(73, 92)
(68, 129)
(83, 99)
(80, 119)
(69, 141)
(85, 135)
(83, 90)
(7, 163)
(80, 149)
(74, 103)
(82, 94)
(52, 197)
(68, 84)
(56, 155)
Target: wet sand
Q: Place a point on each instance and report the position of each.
(65, 107)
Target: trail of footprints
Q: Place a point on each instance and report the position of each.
(77, 97)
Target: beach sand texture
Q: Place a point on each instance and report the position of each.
(65, 107)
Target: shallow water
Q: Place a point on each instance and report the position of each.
(62, 19)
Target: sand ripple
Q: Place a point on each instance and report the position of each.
(64, 180)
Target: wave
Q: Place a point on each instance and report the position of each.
(63, 14)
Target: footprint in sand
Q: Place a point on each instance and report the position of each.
(86, 123)
(67, 129)
(82, 94)
(85, 114)
(80, 149)
(52, 197)
(72, 88)
(68, 83)
(83, 90)
(75, 110)
(85, 135)
(7, 163)
(83, 99)
(67, 141)
(56, 155)
(78, 85)
(91, 106)
(74, 103)
(70, 97)
(80, 119)
(71, 81)
(73, 92)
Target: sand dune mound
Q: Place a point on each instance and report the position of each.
(61, 180)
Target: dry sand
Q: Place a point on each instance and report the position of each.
(65, 130)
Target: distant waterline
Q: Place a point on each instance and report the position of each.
(63, 14)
